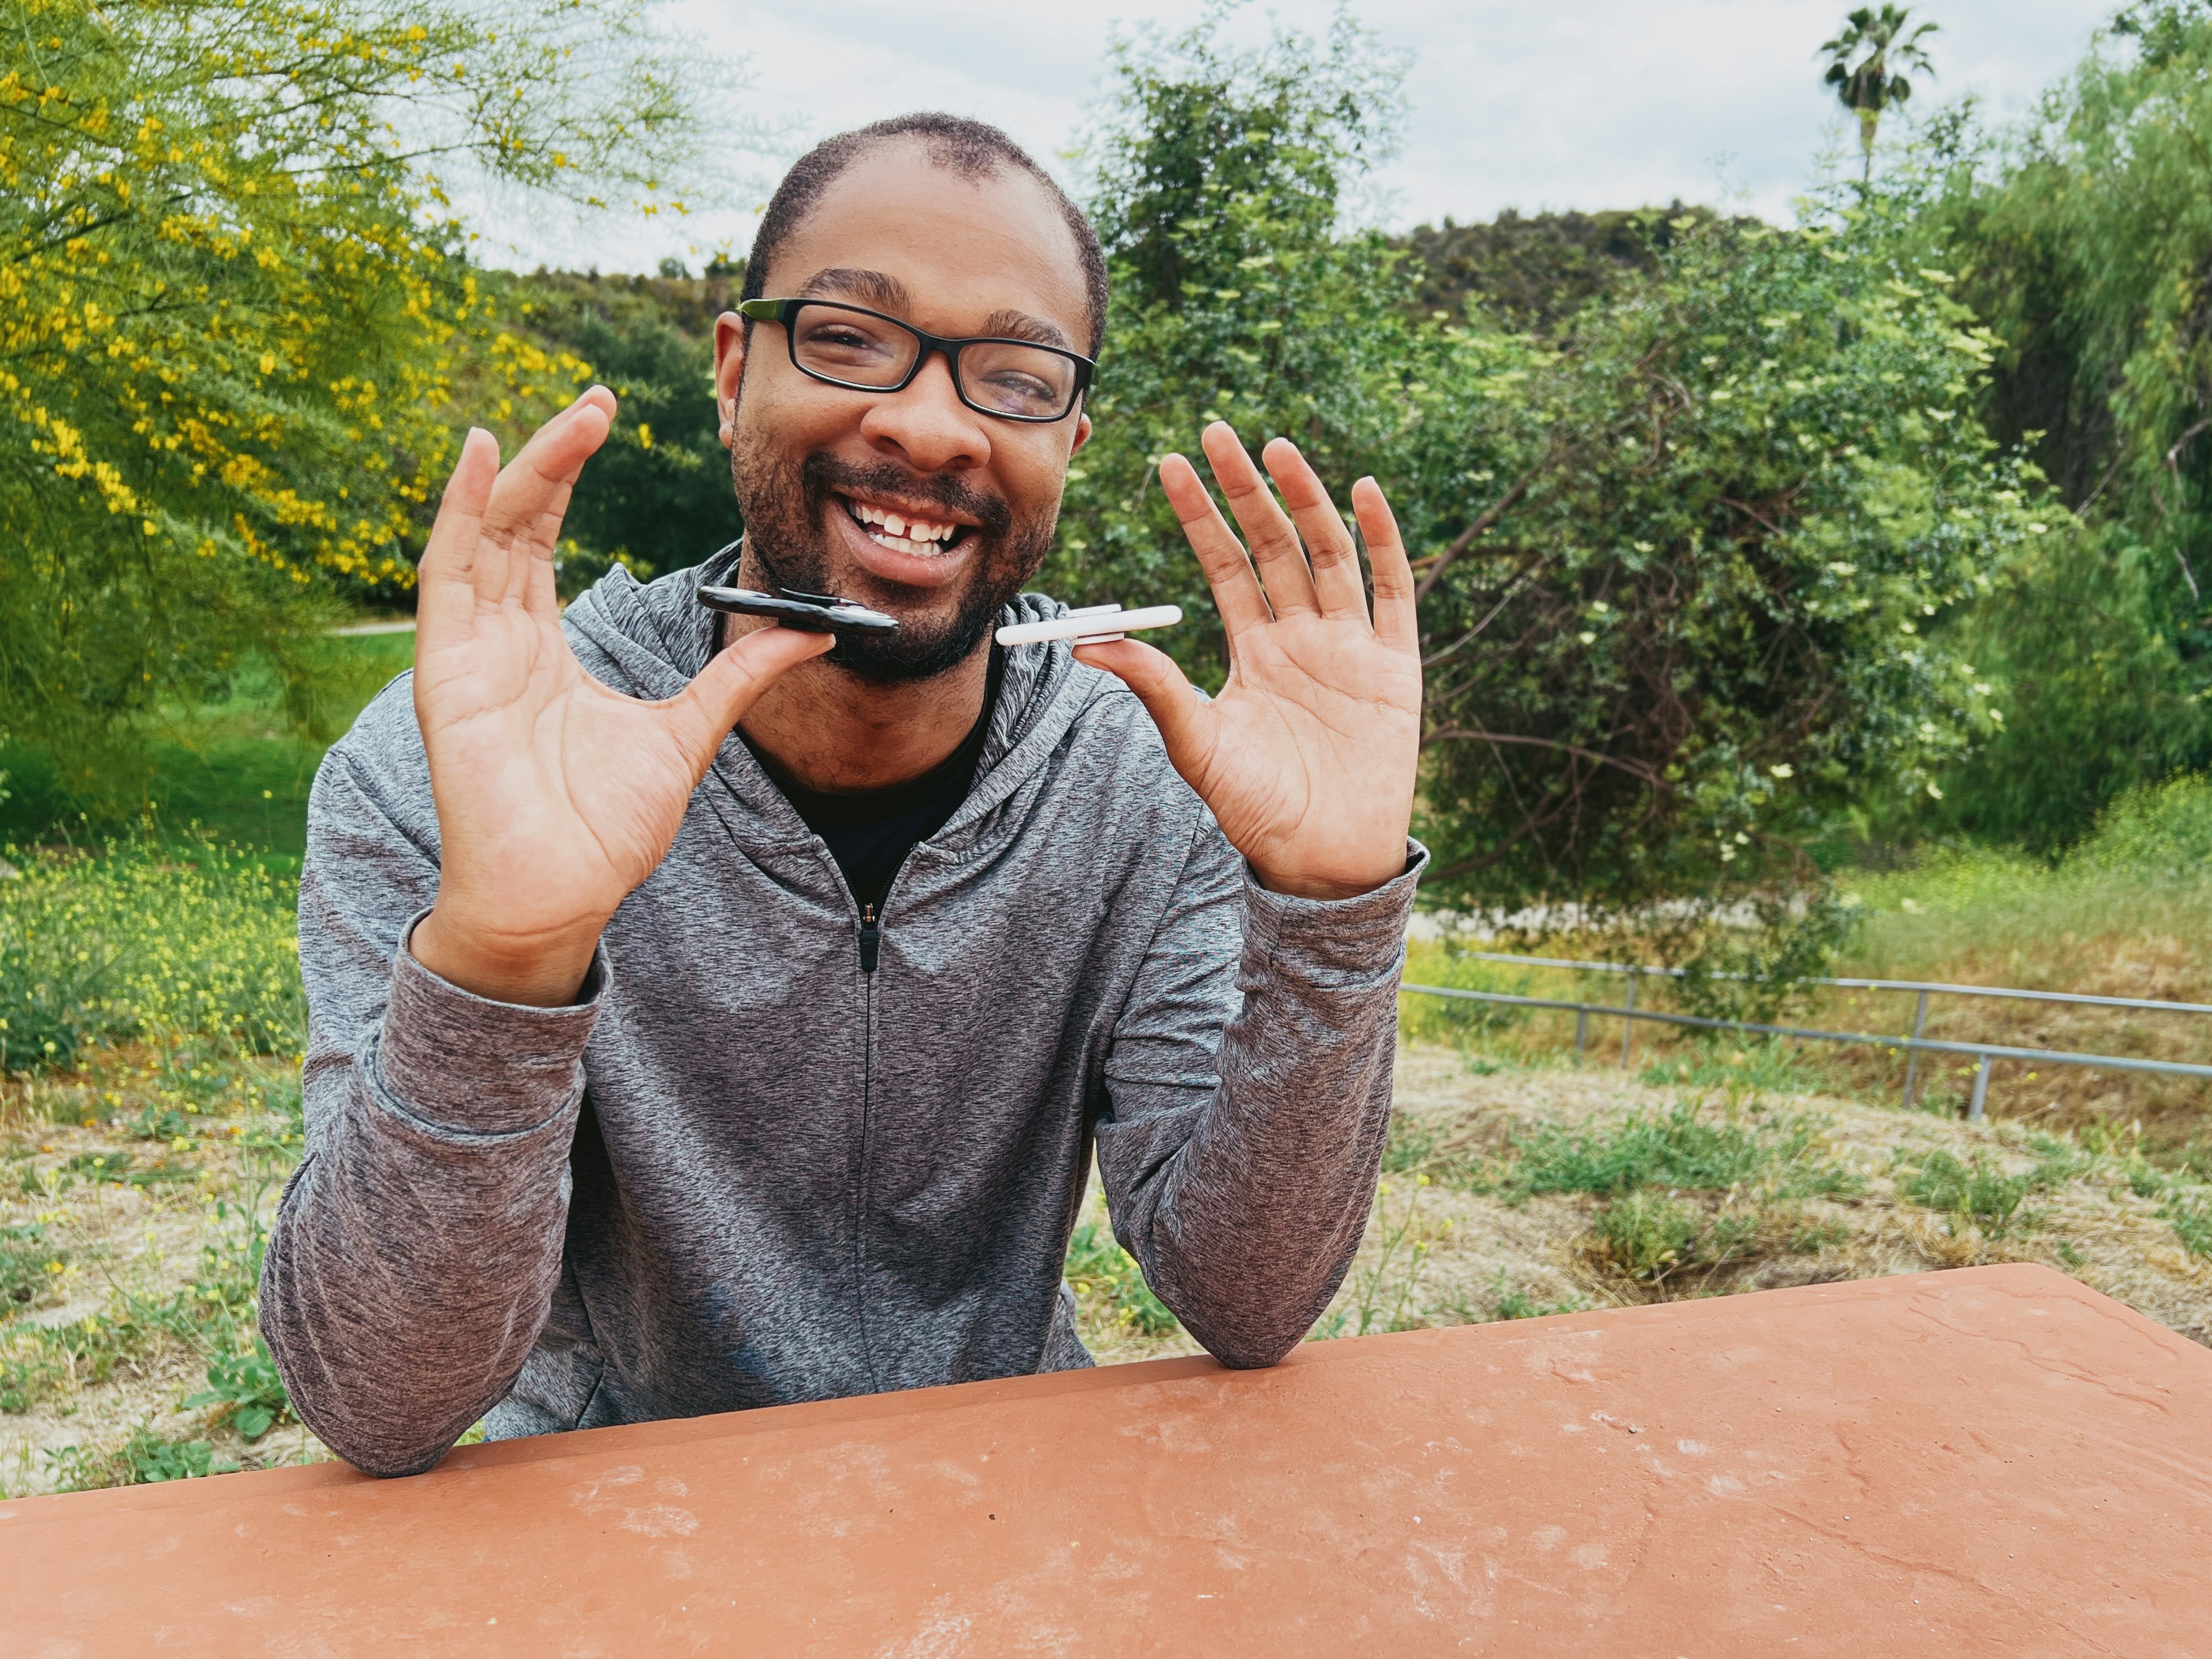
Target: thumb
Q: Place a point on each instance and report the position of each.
(719, 695)
(1187, 721)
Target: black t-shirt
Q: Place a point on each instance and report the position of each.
(871, 832)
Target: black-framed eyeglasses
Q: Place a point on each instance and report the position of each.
(864, 350)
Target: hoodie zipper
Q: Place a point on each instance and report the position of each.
(872, 939)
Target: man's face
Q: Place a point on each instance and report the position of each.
(819, 469)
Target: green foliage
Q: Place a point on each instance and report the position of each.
(1536, 274)
(1751, 971)
(247, 1389)
(1884, 49)
(165, 943)
(2085, 240)
(1448, 1020)
(1519, 1304)
(1680, 567)
(1680, 1150)
(1972, 1192)
(2191, 1217)
(1217, 181)
(1767, 1067)
(1097, 1265)
(1719, 533)
(1647, 1237)
(233, 310)
(658, 497)
(29, 1264)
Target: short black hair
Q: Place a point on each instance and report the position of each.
(973, 150)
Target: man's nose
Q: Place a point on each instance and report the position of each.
(926, 425)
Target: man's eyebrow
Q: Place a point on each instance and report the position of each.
(1020, 325)
(885, 293)
(871, 287)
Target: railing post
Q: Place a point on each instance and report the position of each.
(1581, 1030)
(1981, 1092)
(1627, 1025)
(1912, 1055)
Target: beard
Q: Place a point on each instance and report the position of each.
(786, 501)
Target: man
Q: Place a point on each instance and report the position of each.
(709, 1015)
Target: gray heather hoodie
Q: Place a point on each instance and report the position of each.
(742, 1171)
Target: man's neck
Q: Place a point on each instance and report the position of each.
(829, 730)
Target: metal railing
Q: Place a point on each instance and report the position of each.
(1915, 1046)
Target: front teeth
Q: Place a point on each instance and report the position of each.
(903, 535)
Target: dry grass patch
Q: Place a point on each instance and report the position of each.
(1520, 1190)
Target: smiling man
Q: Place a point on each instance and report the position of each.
(709, 1015)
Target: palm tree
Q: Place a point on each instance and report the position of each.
(1878, 40)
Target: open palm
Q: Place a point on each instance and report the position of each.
(1307, 759)
(555, 796)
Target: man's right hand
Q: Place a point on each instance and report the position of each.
(555, 796)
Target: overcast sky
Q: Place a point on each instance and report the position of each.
(1576, 103)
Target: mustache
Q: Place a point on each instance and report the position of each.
(821, 476)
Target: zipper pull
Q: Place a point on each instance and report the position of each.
(871, 937)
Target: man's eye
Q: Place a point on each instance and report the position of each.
(1010, 386)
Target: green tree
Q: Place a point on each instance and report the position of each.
(2084, 239)
(1683, 564)
(1216, 190)
(658, 496)
(1697, 620)
(1885, 52)
(233, 309)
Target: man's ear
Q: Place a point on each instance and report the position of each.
(729, 372)
(1082, 432)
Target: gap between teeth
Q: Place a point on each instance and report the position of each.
(911, 533)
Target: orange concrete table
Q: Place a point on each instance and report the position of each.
(1983, 1462)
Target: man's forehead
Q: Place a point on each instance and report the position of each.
(988, 253)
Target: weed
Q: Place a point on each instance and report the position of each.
(1679, 1150)
(1455, 1020)
(247, 1389)
(29, 1264)
(1971, 1191)
(148, 1458)
(170, 943)
(1099, 1267)
(1647, 1237)
(1772, 1066)
(1383, 1287)
(2191, 1217)
(1519, 1304)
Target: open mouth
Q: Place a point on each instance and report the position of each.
(922, 538)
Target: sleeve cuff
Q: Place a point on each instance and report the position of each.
(464, 1065)
(1351, 941)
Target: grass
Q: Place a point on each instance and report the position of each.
(2127, 914)
(231, 771)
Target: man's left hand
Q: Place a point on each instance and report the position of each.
(1307, 757)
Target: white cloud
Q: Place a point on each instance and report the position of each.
(1588, 104)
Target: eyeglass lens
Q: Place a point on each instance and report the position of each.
(1006, 377)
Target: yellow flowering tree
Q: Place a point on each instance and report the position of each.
(235, 304)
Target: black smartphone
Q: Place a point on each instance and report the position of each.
(813, 613)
